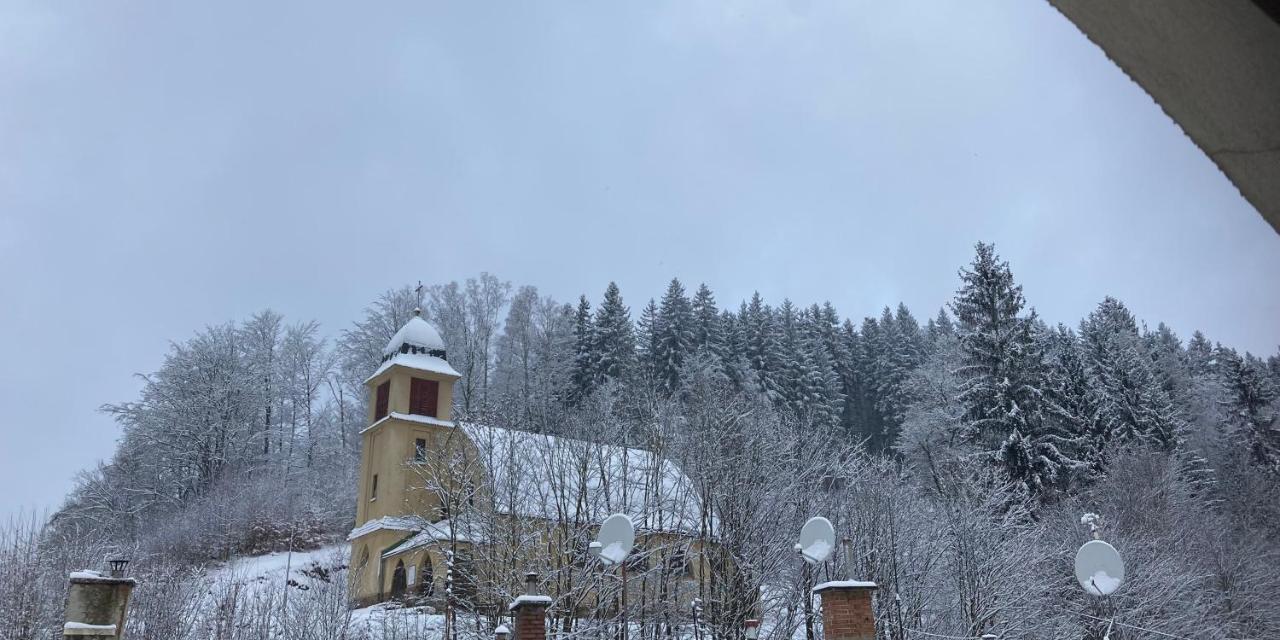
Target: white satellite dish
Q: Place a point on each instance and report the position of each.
(617, 537)
(1099, 568)
(817, 540)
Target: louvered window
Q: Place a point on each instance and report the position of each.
(384, 397)
(423, 397)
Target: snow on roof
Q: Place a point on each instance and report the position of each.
(89, 575)
(409, 417)
(570, 480)
(435, 532)
(86, 629)
(845, 584)
(393, 523)
(417, 362)
(416, 332)
(528, 599)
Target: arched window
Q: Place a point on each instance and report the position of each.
(398, 580)
(364, 559)
(427, 579)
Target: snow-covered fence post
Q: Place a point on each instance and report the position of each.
(97, 604)
(530, 611)
(846, 610)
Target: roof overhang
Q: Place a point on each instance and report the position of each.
(1214, 67)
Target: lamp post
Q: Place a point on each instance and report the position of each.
(502, 633)
(118, 567)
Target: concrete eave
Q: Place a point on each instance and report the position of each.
(1213, 67)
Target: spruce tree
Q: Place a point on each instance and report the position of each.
(867, 356)
(614, 345)
(708, 328)
(1001, 370)
(647, 350)
(1130, 402)
(1070, 416)
(819, 399)
(582, 378)
(759, 344)
(1002, 375)
(1251, 408)
(674, 337)
(1200, 355)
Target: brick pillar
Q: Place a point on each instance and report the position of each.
(846, 610)
(96, 605)
(530, 611)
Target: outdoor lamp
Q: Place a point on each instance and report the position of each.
(118, 566)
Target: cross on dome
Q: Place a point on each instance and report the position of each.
(416, 336)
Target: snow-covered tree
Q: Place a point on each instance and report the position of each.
(1131, 405)
(1251, 407)
(613, 338)
(675, 336)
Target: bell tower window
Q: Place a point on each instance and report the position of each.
(424, 397)
(384, 398)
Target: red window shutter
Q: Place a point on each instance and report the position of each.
(423, 397)
(433, 398)
(384, 397)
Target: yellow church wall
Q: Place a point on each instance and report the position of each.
(388, 450)
(365, 569)
(387, 447)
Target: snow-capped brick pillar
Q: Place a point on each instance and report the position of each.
(96, 606)
(846, 610)
(530, 611)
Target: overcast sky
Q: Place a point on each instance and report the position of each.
(164, 166)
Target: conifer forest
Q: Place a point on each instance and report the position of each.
(956, 447)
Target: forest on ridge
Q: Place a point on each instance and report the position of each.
(959, 447)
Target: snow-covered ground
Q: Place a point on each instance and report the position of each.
(271, 566)
(310, 578)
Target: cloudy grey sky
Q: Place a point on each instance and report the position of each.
(164, 166)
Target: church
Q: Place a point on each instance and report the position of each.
(444, 507)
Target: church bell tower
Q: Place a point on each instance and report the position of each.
(410, 401)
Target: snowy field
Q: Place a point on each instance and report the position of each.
(307, 588)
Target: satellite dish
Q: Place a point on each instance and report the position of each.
(617, 537)
(817, 540)
(1099, 568)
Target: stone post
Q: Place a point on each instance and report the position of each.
(530, 611)
(96, 604)
(846, 610)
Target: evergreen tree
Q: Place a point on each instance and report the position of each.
(866, 357)
(582, 378)
(1131, 404)
(675, 336)
(939, 328)
(1033, 467)
(847, 367)
(1251, 409)
(1200, 355)
(1001, 370)
(1002, 375)
(1070, 420)
(819, 399)
(1169, 365)
(708, 328)
(759, 344)
(787, 359)
(902, 350)
(614, 338)
(647, 336)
